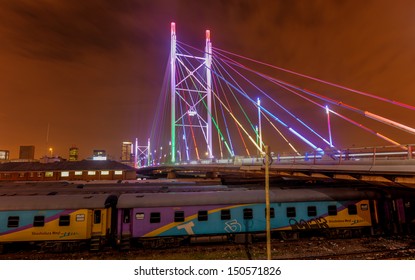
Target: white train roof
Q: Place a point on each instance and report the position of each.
(54, 202)
(132, 200)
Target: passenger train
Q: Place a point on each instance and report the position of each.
(165, 218)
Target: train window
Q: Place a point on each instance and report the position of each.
(39, 221)
(291, 213)
(352, 209)
(155, 217)
(225, 214)
(97, 216)
(126, 216)
(312, 211)
(364, 207)
(332, 210)
(179, 216)
(248, 214)
(64, 220)
(13, 221)
(139, 216)
(202, 215)
(271, 212)
(80, 217)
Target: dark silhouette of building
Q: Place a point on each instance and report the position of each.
(27, 152)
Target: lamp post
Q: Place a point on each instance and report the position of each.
(268, 160)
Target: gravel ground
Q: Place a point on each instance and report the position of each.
(367, 248)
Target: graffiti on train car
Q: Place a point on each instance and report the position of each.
(233, 226)
(317, 223)
(187, 227)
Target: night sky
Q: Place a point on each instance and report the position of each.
(92, 71)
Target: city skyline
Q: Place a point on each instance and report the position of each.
(89, 74)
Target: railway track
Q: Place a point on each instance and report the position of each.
(363, 248)
(407, 252)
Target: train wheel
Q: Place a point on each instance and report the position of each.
(289, 235)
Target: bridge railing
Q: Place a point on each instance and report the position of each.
(361, 155)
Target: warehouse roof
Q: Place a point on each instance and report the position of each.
(64, 166)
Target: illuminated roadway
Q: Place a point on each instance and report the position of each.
(382, 168)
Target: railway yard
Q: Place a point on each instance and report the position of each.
(362, 248)
(312, 222)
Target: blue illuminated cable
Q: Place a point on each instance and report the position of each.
(269, 113)
(275, 102)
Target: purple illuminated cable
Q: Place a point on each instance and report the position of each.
(333, 101)
(401, 104)
(230, 108)
(272, 115)
(224, 119)
(279, 105)
(284, 85)
(198, 77)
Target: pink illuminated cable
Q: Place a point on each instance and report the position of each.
(333, 101)
(223, 116)
(230, 108)
(231, 111)
(397, 103)
(277, 103)
(292, 89)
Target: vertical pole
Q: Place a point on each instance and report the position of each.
(328, 124)
(259, 124)
(208, 57)
(148, 152)
(173, 91)
(257, 141)
(267, 202)
(136, 154)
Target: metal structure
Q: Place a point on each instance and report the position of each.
(193, 90)
(192, 117)
(140, 153)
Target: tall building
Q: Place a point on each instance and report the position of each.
(4, 155)
(127, 152)
(27, 152)
(73, 153)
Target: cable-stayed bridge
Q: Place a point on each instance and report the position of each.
(218, 111)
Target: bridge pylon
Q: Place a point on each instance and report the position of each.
(193, 89)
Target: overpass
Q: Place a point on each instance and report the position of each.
(389, 168)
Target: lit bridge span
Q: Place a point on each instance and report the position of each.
(378, 166)
(217, 116)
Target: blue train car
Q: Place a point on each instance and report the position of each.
(147, 216)
(56, 221)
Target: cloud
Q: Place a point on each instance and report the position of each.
(66, 30)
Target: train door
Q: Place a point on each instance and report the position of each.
(98, 222)
(98, 231)
(125, 226)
